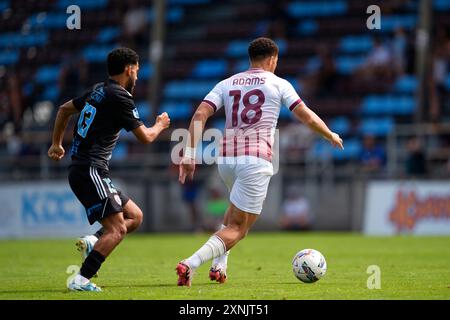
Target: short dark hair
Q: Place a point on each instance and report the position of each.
(262, 48)
(119, 58)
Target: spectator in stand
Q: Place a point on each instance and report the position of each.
(416, 160)
(296, 211)
(378, 65)
(373, 155)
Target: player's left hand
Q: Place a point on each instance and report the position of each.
(187, 168)
(56, 152)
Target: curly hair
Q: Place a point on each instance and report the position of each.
(261, 48)
(119, 58)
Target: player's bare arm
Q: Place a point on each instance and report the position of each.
(56, 151)
(313, 121)
(187, 164)
(148, 135)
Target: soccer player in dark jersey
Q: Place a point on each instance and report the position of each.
(103, 112)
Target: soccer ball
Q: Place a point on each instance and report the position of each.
(309, 265)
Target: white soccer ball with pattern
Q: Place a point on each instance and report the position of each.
(309, 265)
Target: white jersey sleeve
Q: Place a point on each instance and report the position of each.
(215, 97)
(289, 96)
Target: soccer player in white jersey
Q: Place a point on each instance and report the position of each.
(252, 102)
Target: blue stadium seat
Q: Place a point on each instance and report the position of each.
(177, 110)
(348, 64)
(108, 34)
(352, 150)
(97, 53)
(376, 127)
(48, 73)
(340, 125)
(285, 113)
(356, 44)
(145, 71)
(447, 82)
(188, 89)
(441, 5)
(50, 20)
(144, 110)
(4, 4)
(237, 49)
(307, 27)
(83, 4)
(301, 9)
(392, 22)
(210, 68)
(406, 84)
(120, 152)
(9, 57)
(388, 105)
(323, 149)
(51, 92)
(241, 66)
(19, 40)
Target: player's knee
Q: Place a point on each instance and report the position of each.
(139, 217)
(119, 231)
(243, 233)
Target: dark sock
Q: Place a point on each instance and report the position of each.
(99, 233)
(91, 265)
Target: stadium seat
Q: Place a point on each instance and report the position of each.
(145, 71)
(108, 34)
(340, 125)
(301, 9)
(83, 4)
(388, 105)
(348, 64)
(406, 84)
(177, 110)
(144, 110)
(188, 89)
(51, 92)
(391, 22)
(307, 27)
(9, 57)
(210, 68)
(97, 53)
(4, 4)
(48, 73)
(356, 44)
(377, 127)
(441, 5)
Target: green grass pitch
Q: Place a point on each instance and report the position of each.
(143, 267)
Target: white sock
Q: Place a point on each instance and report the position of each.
(213, 248)
(221, 261)
(81, 280)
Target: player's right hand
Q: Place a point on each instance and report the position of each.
(336, 141)
(187, 169)
(56, 152)
(163, 120)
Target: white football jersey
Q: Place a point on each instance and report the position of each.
(252, 101)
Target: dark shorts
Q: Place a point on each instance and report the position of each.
(95, 190)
